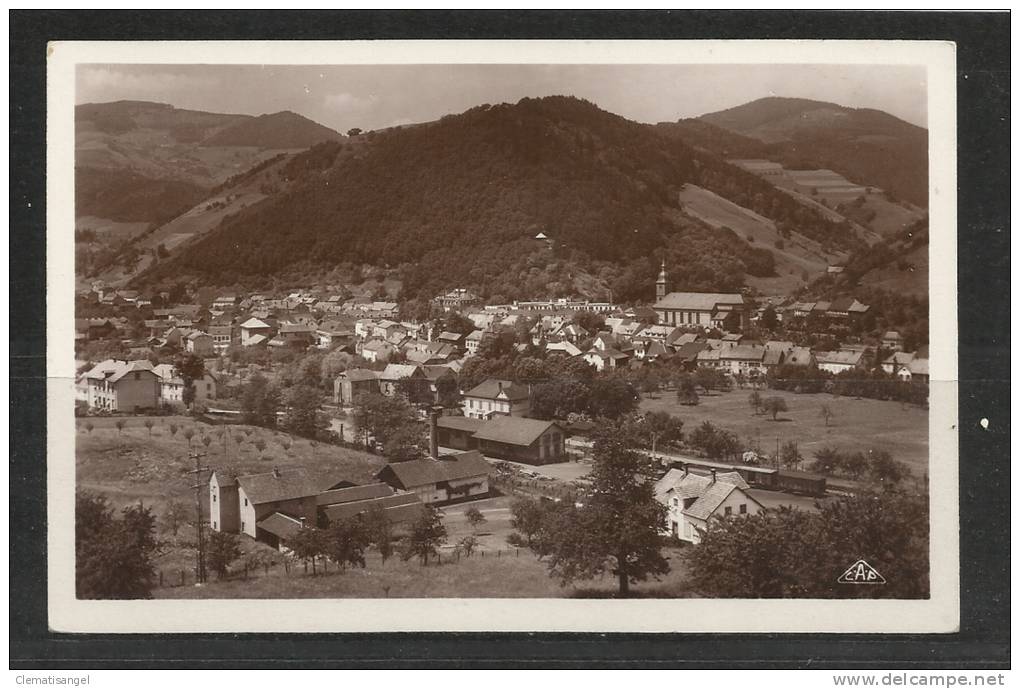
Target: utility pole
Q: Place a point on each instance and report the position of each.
(199, 522)
(777, 451)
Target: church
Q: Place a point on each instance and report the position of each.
(698, 309)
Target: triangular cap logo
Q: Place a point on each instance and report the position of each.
(861, 572)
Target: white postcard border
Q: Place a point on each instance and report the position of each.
(940, 613)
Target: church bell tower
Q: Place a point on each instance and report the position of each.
(660, 283)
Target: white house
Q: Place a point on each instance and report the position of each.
(692, 499)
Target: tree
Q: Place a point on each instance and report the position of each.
(769, 320)
(380, 531)
(259, 402)
(474, 517)
(467, 545)
(354, 131)
(120, 423)
(617, 526)
(176, 513)
(827, 460)
(173, 430)
(207, 441)
(774, 405)
(686, 391)
(790, 455)
(884, 469)
(611, 398)
(221, 550)
(794, 553)
(381, 417)
(427, 533)
(755, 400)
(149, 423)
(826, 413)
(854, 465)
(309, 544)
(260, 445)
(113, 556)
(189, 433)
(658, 427)
(526, 517)
(303, 417)
(558, 398)
(406, 443)
(347, 540)
(89, 426)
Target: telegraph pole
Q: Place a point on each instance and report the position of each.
(199, 522)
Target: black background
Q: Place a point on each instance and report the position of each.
(983, 177)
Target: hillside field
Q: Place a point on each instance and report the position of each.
(133, 465)
(857, 424)
(513, 574)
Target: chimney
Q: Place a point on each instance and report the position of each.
(434, 414)
(684, 467)
(302, 519)
(713, 475)
(276, 472)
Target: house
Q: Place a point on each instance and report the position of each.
(846, 307)
(530, 441)
(908, 366)
(607, 359)
(799, 356)
(494, 396)
(225, 301)
(223, 336)
(124, 386)
(472, 341)
(269, 507)
(356, 381)
(458, 432)
(377, 351)
(330, 337)
(206, 387)
(455, 340)
(171, 385)
(390, 377)
(255, 328)
(94, 328)
(691, 499)
(444, 479)
(748, 360)
(297, 334)
(687, 354)
(703, 309)
(456, 299)
(354, 502)
(199, 344)
(892, 341)
(839, 361)
(564, 347)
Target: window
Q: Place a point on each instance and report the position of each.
(728, 511)
(214, 497)
(214, 526)
(743, 508)
(246, 502)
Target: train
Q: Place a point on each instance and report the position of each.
(770, 478)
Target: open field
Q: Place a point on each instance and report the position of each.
(135, 465)
(513, 574)
(857, 424)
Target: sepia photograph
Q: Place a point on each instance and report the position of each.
(548, 325)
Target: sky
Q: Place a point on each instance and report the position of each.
(378, 96)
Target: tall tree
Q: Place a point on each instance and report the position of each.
(113, 556)
(259, 402)
(611, 398)
(303, 416)
(427, 533)
(346, 541)
(222, 549)
(617, 526)
(380, 531)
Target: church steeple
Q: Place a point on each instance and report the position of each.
(660, 283)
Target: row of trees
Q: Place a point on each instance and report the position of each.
(878, 465)
(789, 553)
(261, 401)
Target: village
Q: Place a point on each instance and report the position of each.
(438, 418)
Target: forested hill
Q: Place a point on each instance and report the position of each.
(867, 146)
(459, 202)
